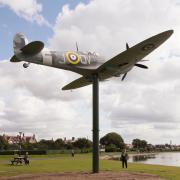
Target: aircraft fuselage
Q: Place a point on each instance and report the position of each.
(72, 61)
(68, 60)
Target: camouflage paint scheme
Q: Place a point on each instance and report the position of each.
(86, 63)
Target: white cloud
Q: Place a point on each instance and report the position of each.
(145, 97)
(32, 101)
(30, 10)
(145, 105)
(105, 26)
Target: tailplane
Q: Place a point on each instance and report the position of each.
(21, 46)
(81, 82)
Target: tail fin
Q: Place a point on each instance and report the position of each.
(19, 42)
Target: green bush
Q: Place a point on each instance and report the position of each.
(112, 138)
(68, 151)
(31, 152)
(111, 148)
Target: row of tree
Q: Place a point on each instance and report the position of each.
(110, 142)
(114, 142)
(58, 144)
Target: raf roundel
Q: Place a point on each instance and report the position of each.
(72, 57)
(148, 47)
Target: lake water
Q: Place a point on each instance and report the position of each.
(166, 158)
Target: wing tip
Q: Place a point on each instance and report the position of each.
(64, 88)
(171, 31)
(168, 33)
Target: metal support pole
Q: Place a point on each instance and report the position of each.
(95, 124)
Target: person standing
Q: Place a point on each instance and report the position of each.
(26, 159)
(72, 152)
(124, 158)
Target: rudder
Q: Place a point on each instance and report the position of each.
(19, 42)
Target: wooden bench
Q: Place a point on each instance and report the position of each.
(17, 160)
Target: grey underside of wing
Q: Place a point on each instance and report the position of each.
(81, 82)
(133, 54)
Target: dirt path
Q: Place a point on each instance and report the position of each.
(86, 176)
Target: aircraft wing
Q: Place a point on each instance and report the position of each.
(81, 82)
(130, 56)
(133, 54)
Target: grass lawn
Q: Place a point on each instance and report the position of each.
(81, 162)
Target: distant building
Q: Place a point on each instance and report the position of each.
(19, 139)
(69, 141)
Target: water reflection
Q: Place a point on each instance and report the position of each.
(169, 159)
(137, 158)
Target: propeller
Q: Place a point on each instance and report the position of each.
(141, 66)
(127, 46)
(77, 49)
(143, 60)
(123, 76)
(138, 65)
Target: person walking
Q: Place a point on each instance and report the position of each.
(124, 158)
(26, 159)
(72, 152)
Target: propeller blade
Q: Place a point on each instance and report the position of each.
(143, 60)
(141, 66)
(77, 49)
(123, 76)
(127, 46)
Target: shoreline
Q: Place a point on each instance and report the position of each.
(116, 157)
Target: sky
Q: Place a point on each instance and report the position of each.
(145, 105)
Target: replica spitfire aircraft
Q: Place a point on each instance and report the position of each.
(86, 64)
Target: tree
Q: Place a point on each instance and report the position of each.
(139, 144)
(143, 144)
(136, 143)
(59, 144)
(3, 143)
(111, 148)
(82, 143)
(111, 139)
(46, 144)
(27, 146)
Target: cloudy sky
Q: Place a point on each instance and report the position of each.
(145, 105)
